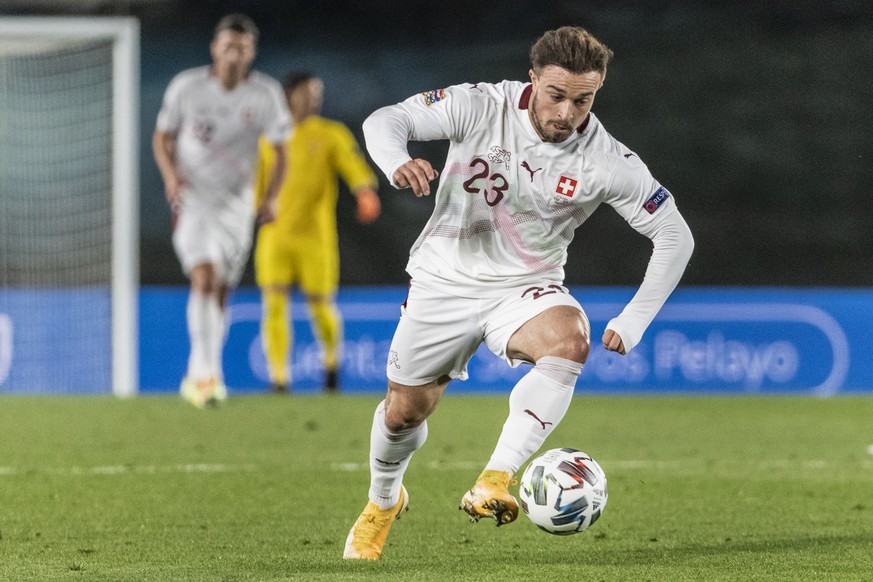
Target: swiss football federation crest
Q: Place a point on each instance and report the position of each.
(498, 155)
(566, 186)
(656, 199)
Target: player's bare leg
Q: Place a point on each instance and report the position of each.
(399, 429)
(557, 341)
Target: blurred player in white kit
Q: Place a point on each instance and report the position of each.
(528, 163)
(206, 146)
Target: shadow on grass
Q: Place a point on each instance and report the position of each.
(727, 556)
(728, 549)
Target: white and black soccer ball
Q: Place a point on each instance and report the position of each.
(563, 491)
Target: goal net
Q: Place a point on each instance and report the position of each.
(69, 196)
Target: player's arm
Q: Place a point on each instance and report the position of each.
(441, 114)
(276, 133)
(672, 247)
(357, 174)
(650, 210)
(263, 170)
(164, 148)
(387, 132)
(164, 140)
(267, 207)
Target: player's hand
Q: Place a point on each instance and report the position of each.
(267, 211)
(613, 342)
(369, 205)
(416, 174)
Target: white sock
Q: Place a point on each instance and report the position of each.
(536, 405)
(218, 333)
(390, 453)
(199, 325)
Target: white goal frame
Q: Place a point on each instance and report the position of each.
(124, 33)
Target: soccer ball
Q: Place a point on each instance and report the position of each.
(563, 491)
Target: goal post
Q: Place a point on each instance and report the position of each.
(69, 204)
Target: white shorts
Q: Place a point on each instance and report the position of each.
(223, 239)
(439, 333)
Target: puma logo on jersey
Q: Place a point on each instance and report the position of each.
(537, 418)
(628, 156)
(476, 86)
(527, 167)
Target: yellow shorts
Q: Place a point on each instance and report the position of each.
(281, 259)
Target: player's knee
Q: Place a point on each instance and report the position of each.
(204, 286)
(407, 407)
(573, 347)
(204, 279)
(275, 304)
(401, 418)
(561, 332)
(316, 300)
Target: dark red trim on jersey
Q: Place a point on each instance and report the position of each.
(524, 103)
(524, 100)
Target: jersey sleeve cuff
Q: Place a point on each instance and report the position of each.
(629, 338)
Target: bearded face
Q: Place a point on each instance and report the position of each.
(560, 101)
(232, 55)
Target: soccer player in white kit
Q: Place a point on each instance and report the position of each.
(527, 164)
(206, 146)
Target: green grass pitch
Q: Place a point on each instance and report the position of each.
(266, 488)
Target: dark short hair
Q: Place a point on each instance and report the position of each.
(572, 48)
(295, 79)
(238, 23)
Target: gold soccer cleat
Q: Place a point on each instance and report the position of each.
(369, 533)
(490, 497)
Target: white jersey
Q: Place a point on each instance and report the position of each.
(508, 203)
(217, 135)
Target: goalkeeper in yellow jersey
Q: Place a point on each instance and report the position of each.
(301, 246)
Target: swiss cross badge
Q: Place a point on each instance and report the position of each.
(566, 186)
